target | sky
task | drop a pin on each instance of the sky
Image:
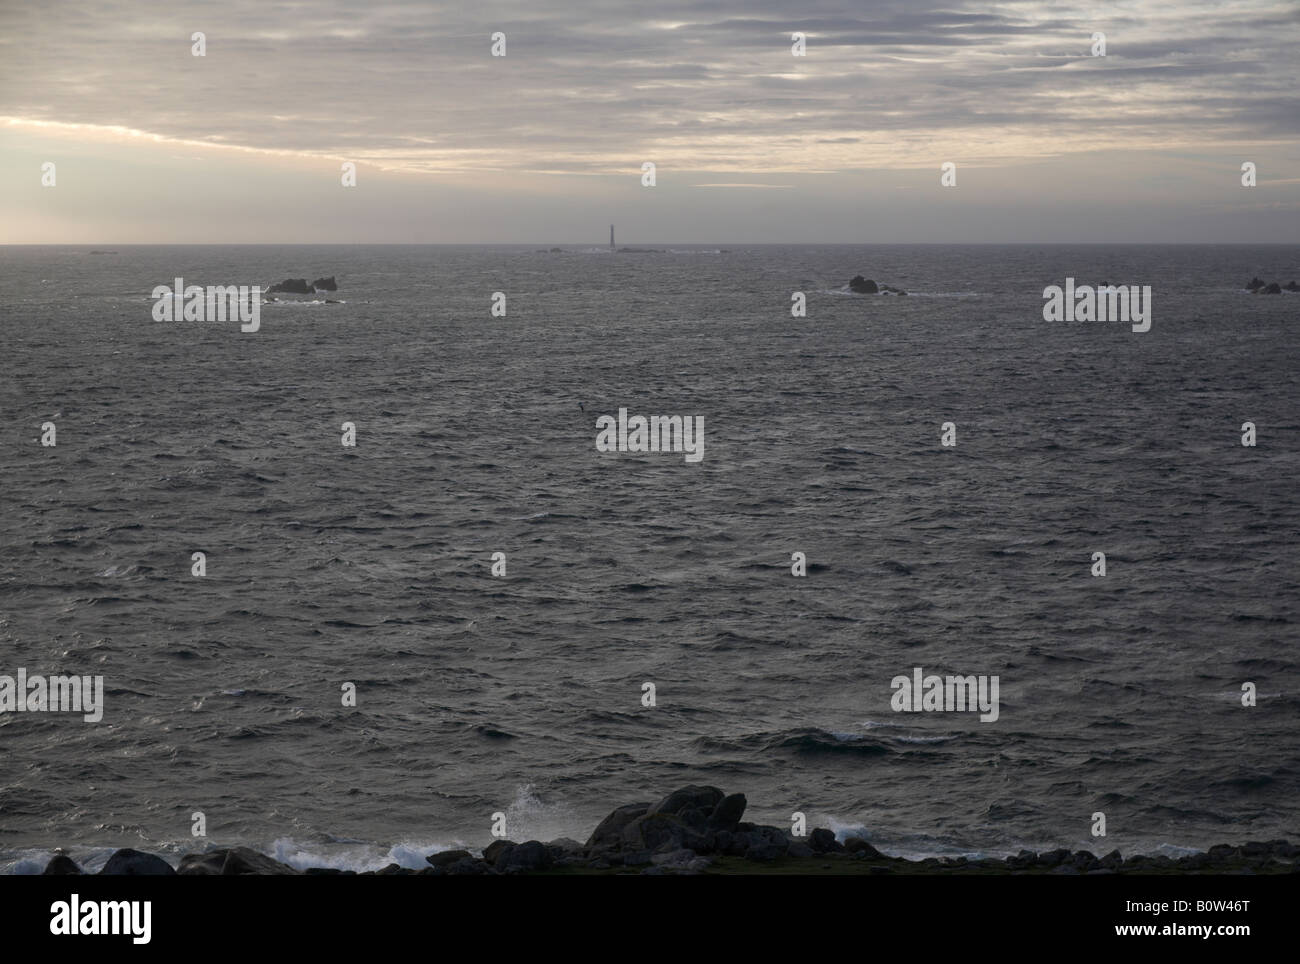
(751, 144)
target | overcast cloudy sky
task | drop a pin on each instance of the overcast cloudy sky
(751, 144)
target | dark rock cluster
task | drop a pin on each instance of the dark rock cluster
(1260, 288)
(697, 829)
(292, 286)
(299, 286)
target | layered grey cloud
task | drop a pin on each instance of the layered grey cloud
(703, 88)
(594, 87)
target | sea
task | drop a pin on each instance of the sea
(349, 684)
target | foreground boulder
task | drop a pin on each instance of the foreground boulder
(822, 841)
(448, 857)
(521, 858)
(292, 286)
(495, 849)
(856, 845)
(694, 804)
(755, 842)
(564, 846)
(61, 865)
(133, 863)
(662, 832)
(686, 819)
(236, 861)
(701, 820)
(608, 834)
(726, 815)
(460, 863)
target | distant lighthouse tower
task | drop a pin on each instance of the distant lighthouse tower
(611, 237)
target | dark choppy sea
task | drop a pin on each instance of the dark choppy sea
(523, 694)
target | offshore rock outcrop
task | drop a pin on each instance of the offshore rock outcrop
(292, 286)
(1258, 287)
(865, 286)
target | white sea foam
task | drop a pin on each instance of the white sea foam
(359, 857)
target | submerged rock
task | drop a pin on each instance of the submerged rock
(1273, 289)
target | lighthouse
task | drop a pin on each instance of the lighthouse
(611, 237)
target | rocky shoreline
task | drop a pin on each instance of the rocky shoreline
(698, 830)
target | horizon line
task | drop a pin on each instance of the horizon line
(605, 246)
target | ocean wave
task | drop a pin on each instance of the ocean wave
(809, 740)
(357, 856)
(122, 570)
